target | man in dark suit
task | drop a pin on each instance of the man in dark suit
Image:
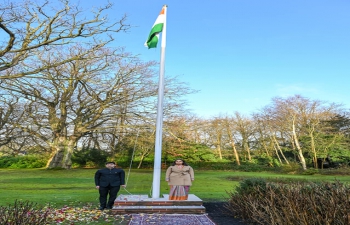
(108, 181)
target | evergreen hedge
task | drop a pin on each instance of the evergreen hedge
(19, 162)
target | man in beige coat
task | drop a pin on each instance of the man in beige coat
(179, 177)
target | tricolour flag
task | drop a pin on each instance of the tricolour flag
(153, 37)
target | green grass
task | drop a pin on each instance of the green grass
(76, 187)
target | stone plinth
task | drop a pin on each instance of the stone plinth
(129, 204)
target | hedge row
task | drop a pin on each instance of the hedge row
(259, 201)
(18, 162)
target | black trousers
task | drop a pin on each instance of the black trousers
(104, 192)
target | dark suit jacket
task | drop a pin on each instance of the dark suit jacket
(113, 177)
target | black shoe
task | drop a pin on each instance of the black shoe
(109, 207)
(101, 208)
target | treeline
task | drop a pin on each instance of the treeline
(66, 95)
(290, 130)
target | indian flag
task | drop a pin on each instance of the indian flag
(153, 37)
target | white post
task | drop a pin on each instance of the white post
(159, 125)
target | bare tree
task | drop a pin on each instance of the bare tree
(282, 115)
(313, 113)
(217, 133)
(81, 96)
(262, 133)
(33, 27)
(298, 117)
(245, 128)
(230, 134)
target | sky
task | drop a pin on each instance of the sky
(239, 54)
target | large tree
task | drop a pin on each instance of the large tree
(28, 28)
(81, 97)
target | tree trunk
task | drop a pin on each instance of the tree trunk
(60, 159)
(218, 145)
(247, 149)
(235, 153)
(278, 156)
(279, 149)
(219, 151)
(265, 147)
(300, 152)
(229, 133)
(62, 155)
(140, 163)
(143, 156)
(313, 148)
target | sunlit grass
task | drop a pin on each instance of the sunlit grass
(73, 199)
(76, 187)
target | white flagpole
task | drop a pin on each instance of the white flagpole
(159, 125)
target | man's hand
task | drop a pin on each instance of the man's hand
(124, 186)
(97, 187)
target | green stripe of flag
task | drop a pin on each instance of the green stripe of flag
(152, 40)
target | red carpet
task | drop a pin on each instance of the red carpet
(170, 219)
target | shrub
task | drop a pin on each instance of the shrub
(339, 171)
(17, 162)
(291, 203)
(252, 167)
(226, 165)
(292, 167)
(89, 158)
(310, 171)
(247, 186)
(7, 161)
(211, 165)
(27, 213)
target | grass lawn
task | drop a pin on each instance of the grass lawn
(76, 187)
(73, 199)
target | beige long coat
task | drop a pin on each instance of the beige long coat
(176, 176)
